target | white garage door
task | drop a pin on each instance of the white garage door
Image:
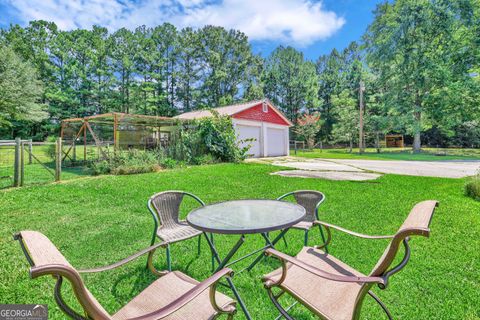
(249, 132)
(276, 142)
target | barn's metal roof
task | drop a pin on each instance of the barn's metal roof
(224, 111)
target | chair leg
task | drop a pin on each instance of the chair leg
(169, 260)
(306, 238)
(283, 312)
(213, 258)
(199, 244)
(323, 237)
(382, 305)
(151, 244)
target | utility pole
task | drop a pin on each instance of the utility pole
(361, 141)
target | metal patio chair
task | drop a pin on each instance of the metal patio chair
(332, 289)
(165, 209)
(173, 296)
(310, 200)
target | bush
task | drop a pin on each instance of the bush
(186, 145)
(168, 163)
(132, 169)
(472, 188)
(219, 137)
(127, 162)
(208, 140)
(100, 167)
(205, 159)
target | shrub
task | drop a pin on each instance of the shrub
(205, 159)
(186, 145)
(220, 139)
(100, 167)
(127, 162)
(472, 188)
(132, 169)
(207, 140)
(168, 163)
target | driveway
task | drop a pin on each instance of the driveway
(443, 169)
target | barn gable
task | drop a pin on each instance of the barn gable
(256, 113)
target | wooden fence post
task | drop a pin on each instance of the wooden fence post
(30, 151)
(22, 163)
(58, 159)
(74, 155)
(16, 165)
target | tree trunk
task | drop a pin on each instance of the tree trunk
(351, 145)
(417, 144)
(377, 141)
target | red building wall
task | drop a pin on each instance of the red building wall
(256, 114)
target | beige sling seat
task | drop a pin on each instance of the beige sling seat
(332, 289)
(173, 296)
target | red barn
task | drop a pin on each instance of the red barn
(259, 120)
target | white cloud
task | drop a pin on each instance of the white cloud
(299, 22)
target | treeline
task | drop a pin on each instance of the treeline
(420, 64)
(418, 61)
(154, 71)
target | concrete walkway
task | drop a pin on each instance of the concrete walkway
(443, 169)
(329, 175)
(317, 165)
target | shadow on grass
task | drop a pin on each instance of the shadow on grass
(136, 281)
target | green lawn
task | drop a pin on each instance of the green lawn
(427, 154)
(99, 220)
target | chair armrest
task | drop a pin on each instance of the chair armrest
(189, 296)
(353, 233)
(126, 260)
(318, 272)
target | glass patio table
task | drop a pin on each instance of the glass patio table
(242, 217)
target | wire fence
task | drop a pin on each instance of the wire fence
(24, 162)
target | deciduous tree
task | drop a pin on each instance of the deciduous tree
(20, 90)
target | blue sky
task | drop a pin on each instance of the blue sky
(313, 26)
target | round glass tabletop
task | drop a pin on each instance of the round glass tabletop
(246, 216)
